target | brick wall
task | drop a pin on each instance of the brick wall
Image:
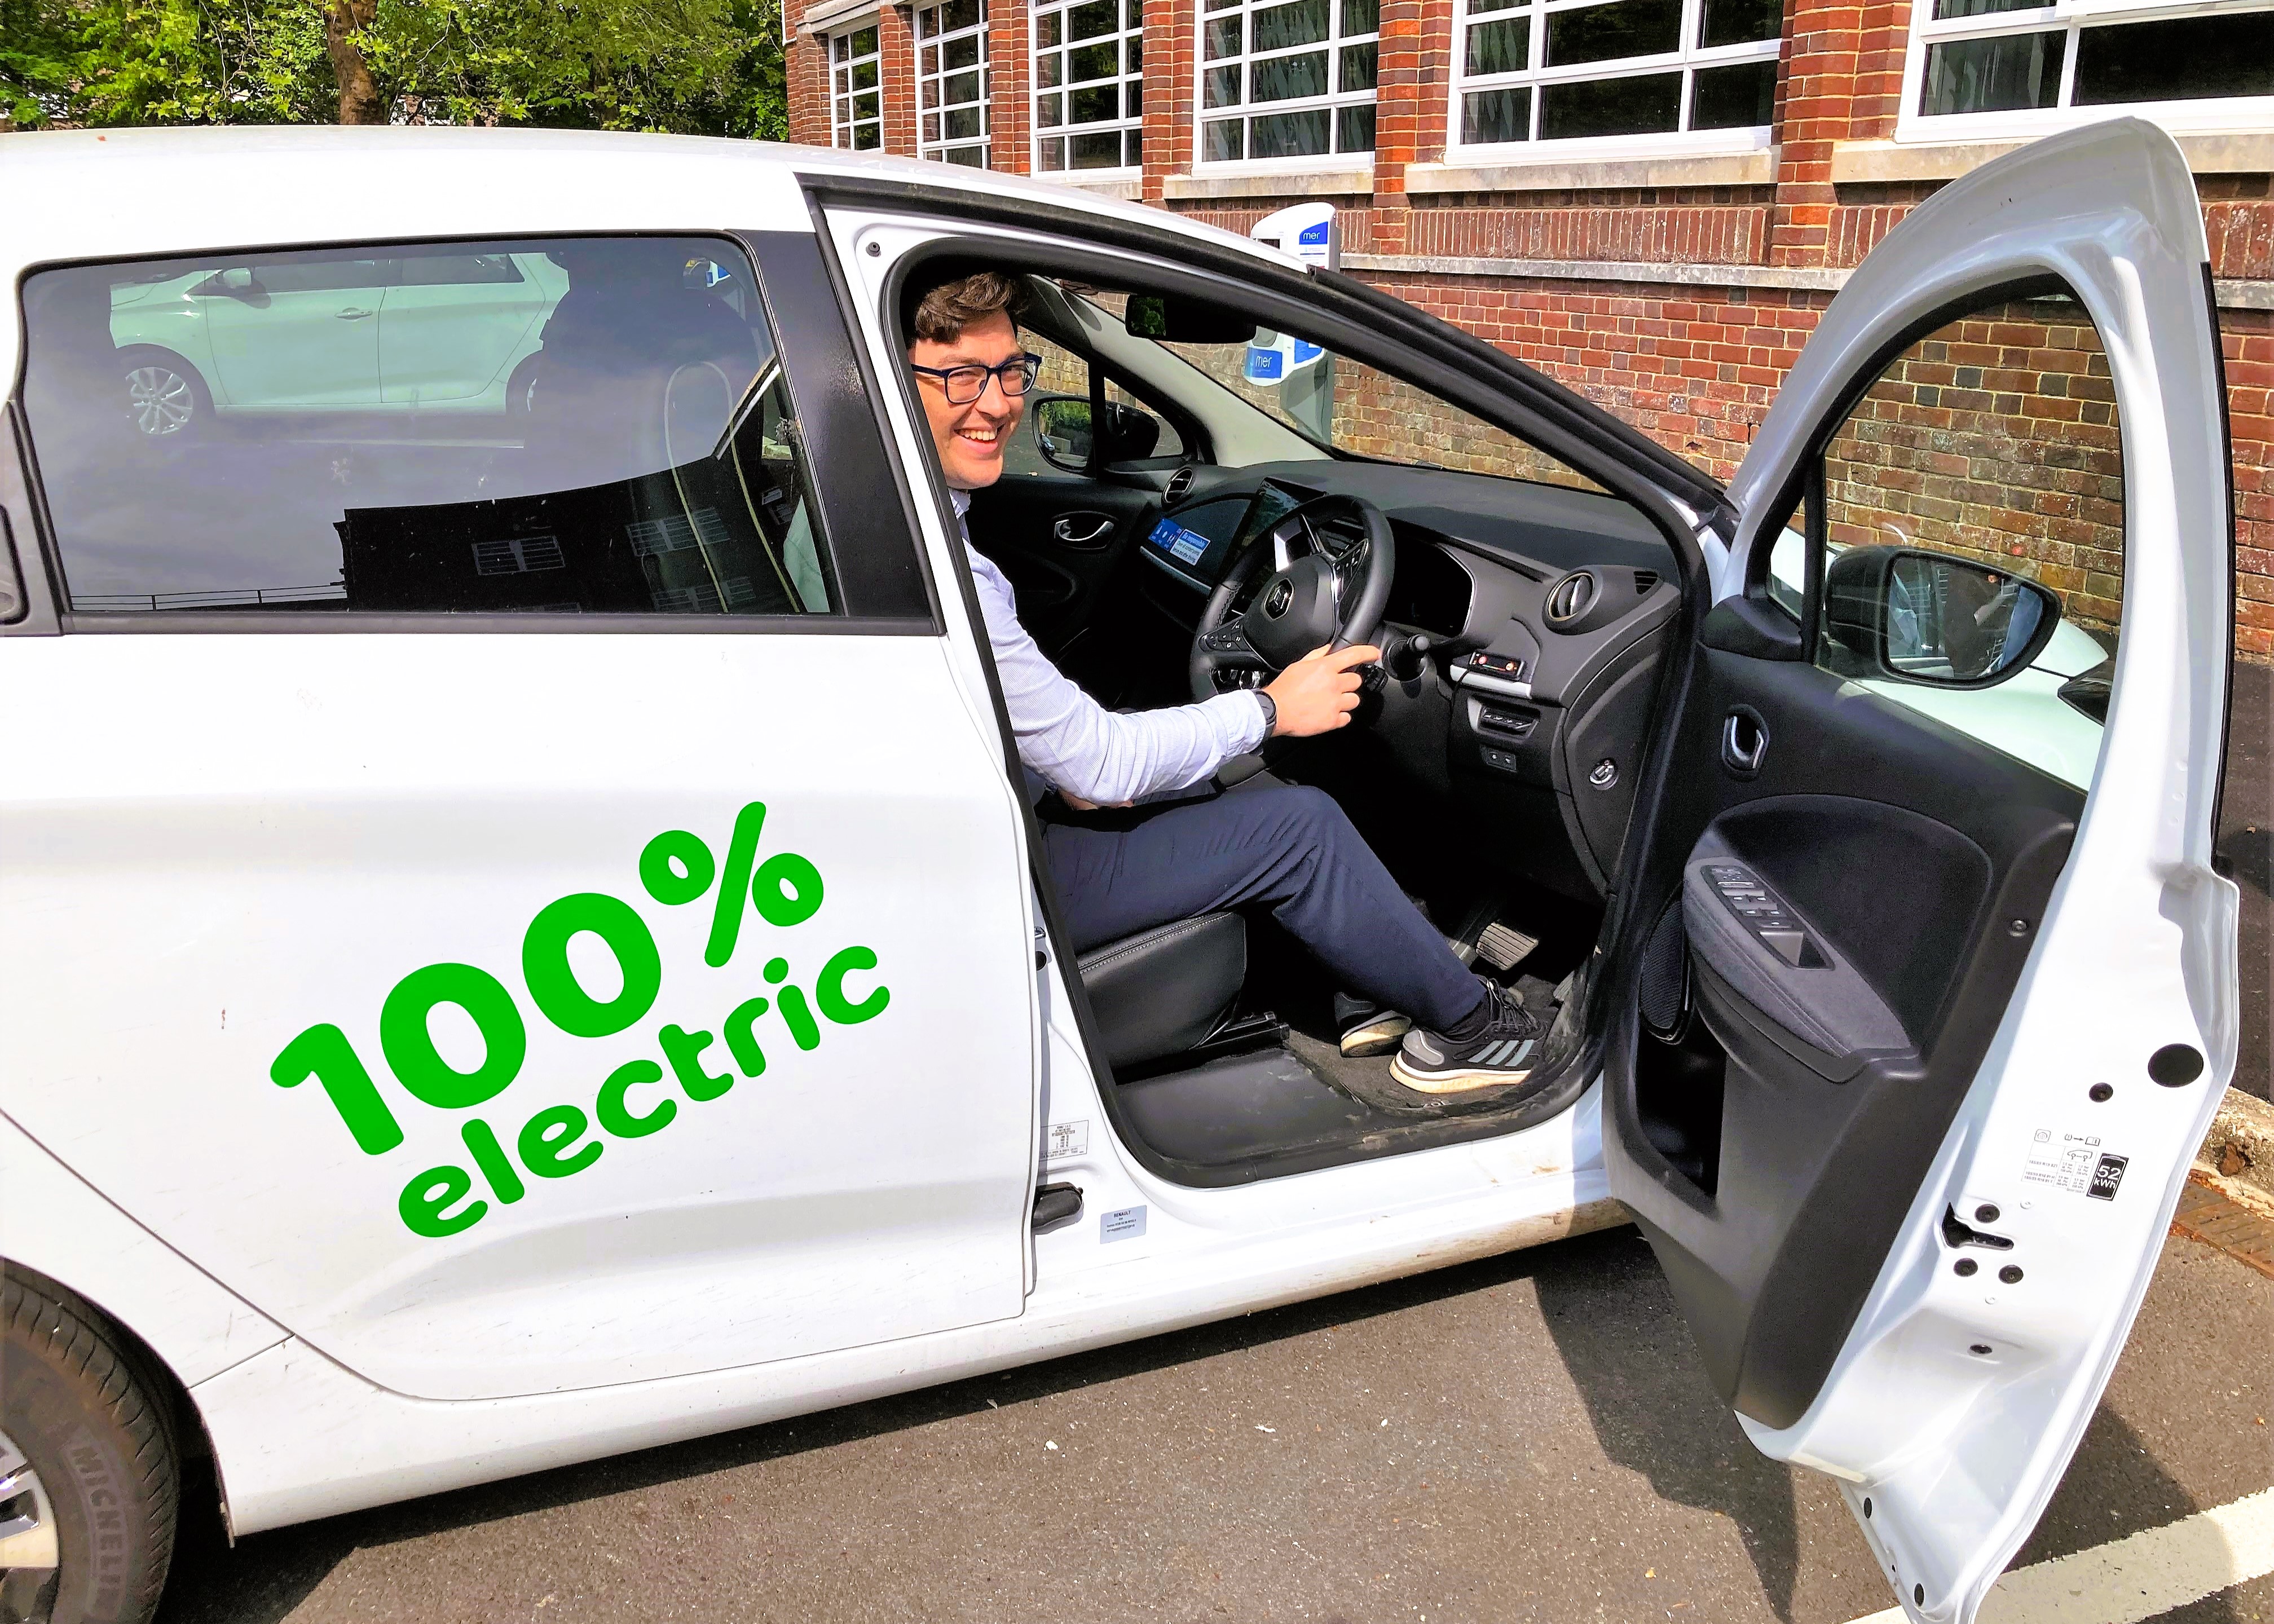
(1694, 367)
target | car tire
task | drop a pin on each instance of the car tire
(165, 399)
(521, 392)
(87, 1450)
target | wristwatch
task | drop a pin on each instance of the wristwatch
(1270, 712)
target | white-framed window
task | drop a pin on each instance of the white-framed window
(856, 94)
(1287, 78)
(1999, 67)
(1645, 71)
(1090, 65)
(953, 82)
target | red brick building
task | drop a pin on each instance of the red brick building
(1650, 200)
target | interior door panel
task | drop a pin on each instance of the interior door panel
(1905, 854)
(1059, 538)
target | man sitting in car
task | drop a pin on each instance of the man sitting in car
(1290, 848)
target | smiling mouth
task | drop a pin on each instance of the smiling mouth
(979, 437)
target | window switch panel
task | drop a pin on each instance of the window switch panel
(1772, 923)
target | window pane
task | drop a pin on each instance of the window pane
(1987, 76)
(1133, 51)
(864, 44)
(1735, 97)
(1050, 111)
(1496, 116)
(443, 462)
(1277, 79)
(865, 107)
(1101, 151)
(1095, 105)
(1478, 7)
(1132, 98)
(1046, 30)
(1086, 22)
(1133, 13)
(1220, 87)
(2176, 60)
(969, 157)
(1223, 139)
(1289, 135)
(1360, 17)
(958, 14)
(963, 124)
(1731, 22)
(1501, 47)
(1135, 148)
(1092, 62)
(963, 53)
(1359, 64)
(963, 87)
(1640, 106)
(931, 126)
(311, 275)
(1299, 23)
(1623, 28)
(864, 75)
(1218, 5)
(1353, 129)
(1046, 70)
(1984, 8)
(1054, 153)
(2018, 400)
(1223, 37)
(868, 137)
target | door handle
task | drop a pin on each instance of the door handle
(1083, 529)
(1745, 741)
(351, 314)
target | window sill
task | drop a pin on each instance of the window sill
(1755, 168)
(829, 16)
(1126, 184)
(1338, 182)
(1882, 163)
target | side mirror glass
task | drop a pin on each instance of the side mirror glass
(236, 282)
(1174, 320)
(1930, 618)
(1062, 429)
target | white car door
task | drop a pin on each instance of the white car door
(586, 942)
(296, 332)
(453, 324)
(1927, 1036)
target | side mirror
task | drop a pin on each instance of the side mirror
(1067, 432)
(1930, 618)
(1174, 320)
(238, 282)
(1062, 429)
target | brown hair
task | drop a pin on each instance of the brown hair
(944, 309)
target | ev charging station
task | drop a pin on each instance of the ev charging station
(1303, 372)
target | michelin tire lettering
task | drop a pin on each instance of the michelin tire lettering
(635, 1098)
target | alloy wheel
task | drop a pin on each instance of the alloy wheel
(163, 400)
(28, 1554)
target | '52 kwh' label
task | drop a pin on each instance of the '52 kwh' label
(638, 1098)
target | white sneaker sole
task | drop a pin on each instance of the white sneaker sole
(1456, 1082)
(1376, 1037)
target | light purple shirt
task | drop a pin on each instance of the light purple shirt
(1076, 745)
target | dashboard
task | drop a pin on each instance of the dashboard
(1547, 610)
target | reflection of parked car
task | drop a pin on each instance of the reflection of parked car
(415, 332)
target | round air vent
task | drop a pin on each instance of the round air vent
(1180, 481)
(1570, 599)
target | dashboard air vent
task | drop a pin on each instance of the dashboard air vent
(1570, 598)
(1180, 482)
(1645, 580)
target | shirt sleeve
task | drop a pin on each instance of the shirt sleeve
(1079, 746)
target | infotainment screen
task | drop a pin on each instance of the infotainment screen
(1202, 540)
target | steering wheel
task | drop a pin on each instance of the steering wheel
(1317, 597)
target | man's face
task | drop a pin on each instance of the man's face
(970, 439)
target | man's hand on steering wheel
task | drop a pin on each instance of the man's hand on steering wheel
(1317, 694)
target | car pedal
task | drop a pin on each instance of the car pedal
(1502, 948)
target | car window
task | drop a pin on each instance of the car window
(1986, 455)
(1053, 441)
(1336, 401)
(596, 427)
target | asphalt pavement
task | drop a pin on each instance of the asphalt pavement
(1527, 1438)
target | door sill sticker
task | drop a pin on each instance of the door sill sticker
(1065, 1139)
(1126, 1225)
(2074, 1162)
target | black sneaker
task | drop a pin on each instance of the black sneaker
(1502, 1053)
(1367, 1029)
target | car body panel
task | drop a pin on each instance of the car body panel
(1957, 1452)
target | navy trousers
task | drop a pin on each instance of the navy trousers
(1288, 848)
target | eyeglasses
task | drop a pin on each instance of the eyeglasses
(963, 385)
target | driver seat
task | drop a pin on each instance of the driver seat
(1167, 990)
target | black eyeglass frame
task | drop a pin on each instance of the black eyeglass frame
(1022, 366)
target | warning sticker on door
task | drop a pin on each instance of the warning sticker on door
(1065, 1139)
(1126, 1225)
(2074, 1162)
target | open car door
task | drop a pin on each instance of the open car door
(1926, 1032)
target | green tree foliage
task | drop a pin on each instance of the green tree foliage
(705, 67)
